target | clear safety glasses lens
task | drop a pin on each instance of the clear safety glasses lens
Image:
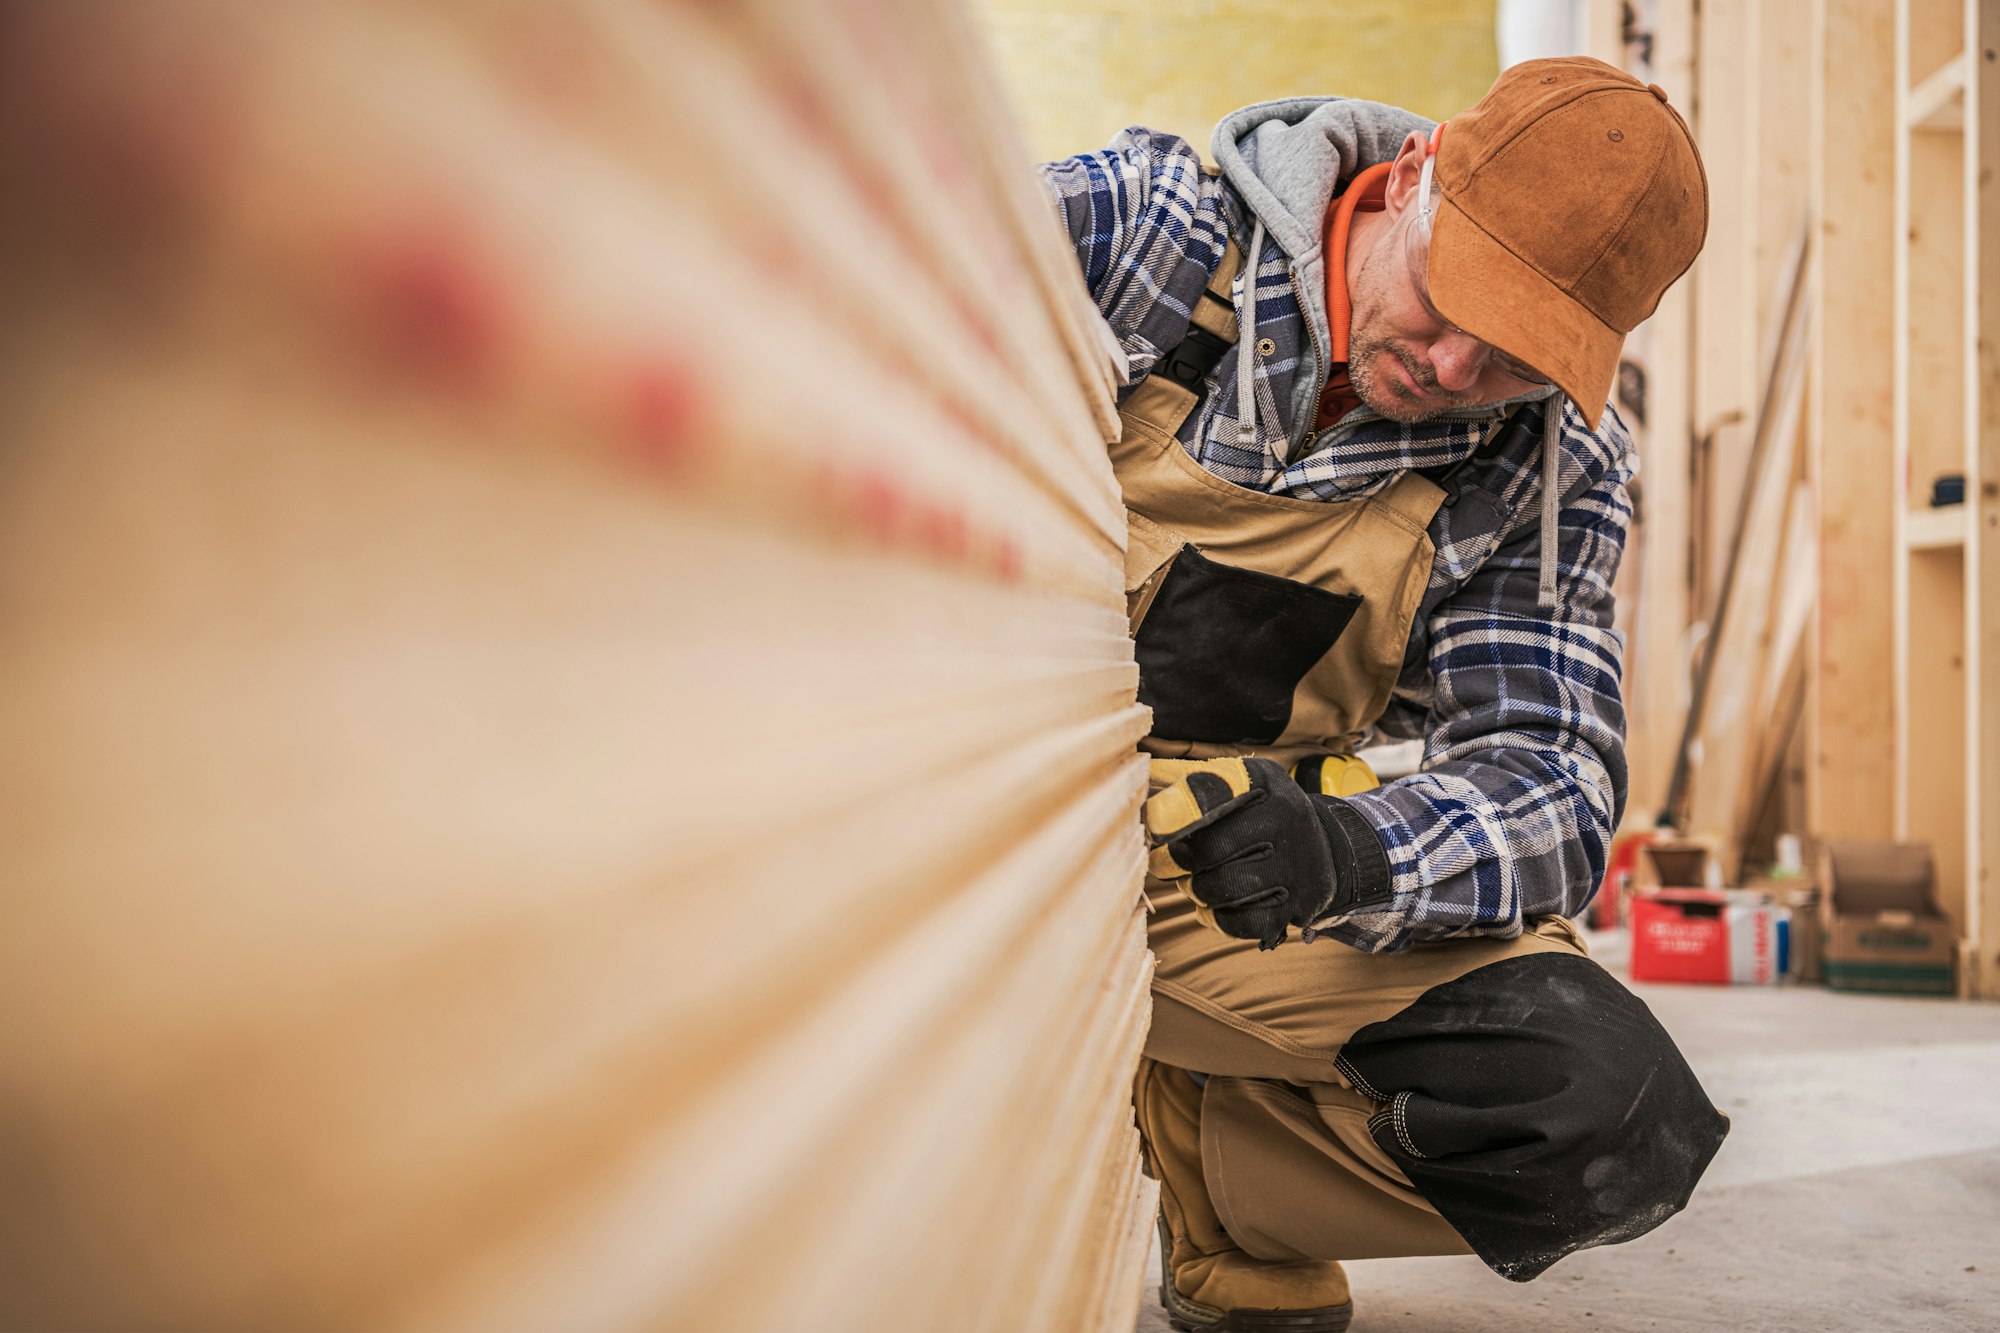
(1417, 252)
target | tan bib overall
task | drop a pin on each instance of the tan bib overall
(1264, 624)
(1276, 626)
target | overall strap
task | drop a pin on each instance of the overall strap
(1211, 328)
(1173, 389)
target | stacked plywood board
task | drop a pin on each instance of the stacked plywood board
(566, 725)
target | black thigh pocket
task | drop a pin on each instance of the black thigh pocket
(1222, 649)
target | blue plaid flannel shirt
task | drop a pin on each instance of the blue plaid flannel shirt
(1520, 709)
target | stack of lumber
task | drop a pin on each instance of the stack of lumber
(1749, 689)
(566, 723)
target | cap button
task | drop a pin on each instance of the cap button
(1657, 91)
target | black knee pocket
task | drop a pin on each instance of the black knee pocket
(1540, 1107)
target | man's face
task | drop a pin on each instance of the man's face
(1403, 361)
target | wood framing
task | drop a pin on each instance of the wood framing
(1726, 344)
(1896, 159)
(1849, 712)
(1784, 155)
(1982, 130)
(1945, 403)
(1655, 620)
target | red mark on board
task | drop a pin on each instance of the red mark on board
(879, 503)
(1007, 563)
(941, 530)
(431, 308)
(663, 411)
(889, 514)
(871, 499)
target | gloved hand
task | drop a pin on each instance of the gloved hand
(1259, 853)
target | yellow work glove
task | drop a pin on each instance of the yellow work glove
(1256, 852)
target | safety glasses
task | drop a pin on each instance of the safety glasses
(1417, 251)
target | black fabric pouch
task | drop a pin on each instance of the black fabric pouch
(1222, 649)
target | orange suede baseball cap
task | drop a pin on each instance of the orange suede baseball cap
(1568, 201)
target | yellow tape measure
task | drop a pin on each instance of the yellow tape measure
(1334, 775)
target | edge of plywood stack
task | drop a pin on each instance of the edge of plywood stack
(569, 727)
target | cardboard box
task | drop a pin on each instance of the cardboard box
(1677, 865)
(1799, 896)
(1708, 935)
(1808, 936)
(1879, 915)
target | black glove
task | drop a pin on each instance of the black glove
(1256, 852)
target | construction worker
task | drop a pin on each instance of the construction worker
(1374, 490)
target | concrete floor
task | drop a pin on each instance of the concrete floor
(1859, 1187)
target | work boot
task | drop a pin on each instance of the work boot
(1207, 1284)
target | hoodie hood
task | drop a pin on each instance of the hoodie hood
(1288, 159)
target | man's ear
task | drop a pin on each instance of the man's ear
(1400, 191)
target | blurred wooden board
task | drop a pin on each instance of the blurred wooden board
(567, 720)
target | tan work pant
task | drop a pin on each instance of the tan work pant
(1286, 1151)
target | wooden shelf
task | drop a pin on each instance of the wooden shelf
(1938, 103)
(1934, 529)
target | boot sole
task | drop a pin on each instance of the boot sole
(1193, 1317)
(1326, 1319)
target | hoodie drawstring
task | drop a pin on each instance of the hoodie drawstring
(1551, 497)
(1246, 345)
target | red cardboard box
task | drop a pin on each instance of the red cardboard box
(1706, 935)
(1679, 935)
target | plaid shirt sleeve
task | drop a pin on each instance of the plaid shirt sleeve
(1523, 778)
(1148, 230)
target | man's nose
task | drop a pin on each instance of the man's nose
(1459, 359)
